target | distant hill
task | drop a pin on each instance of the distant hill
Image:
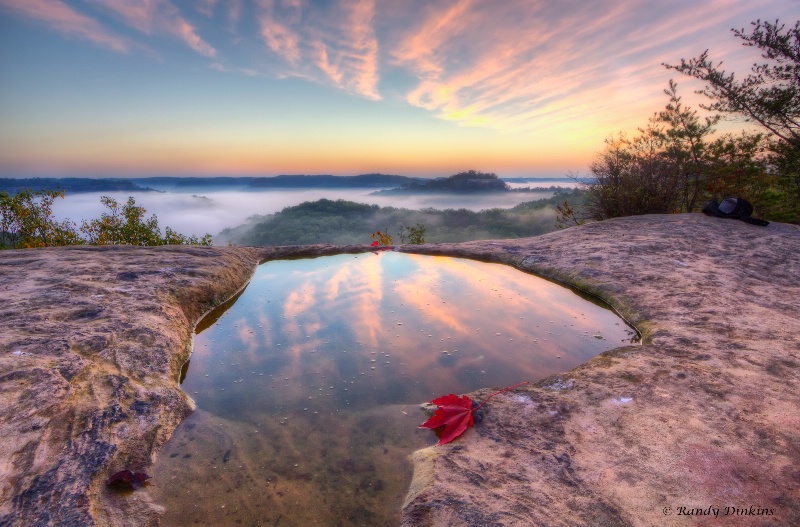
(464, 182)
(469, 182)
(347, 222)
(190, 184)
(185, 184)
(70, 185)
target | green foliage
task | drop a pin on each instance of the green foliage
(674, 165)
(121, 226)
(631, 177)
(342, 222)
(683, 144)
(770, 97)
(26, 221)
(416, 234)
(128, 226)
(770, 94)
(470, 181)
(567, 216)
(413, 235)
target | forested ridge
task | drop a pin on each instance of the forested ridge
(347, 222)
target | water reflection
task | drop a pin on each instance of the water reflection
(308, 385)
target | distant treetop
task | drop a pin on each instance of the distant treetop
(463, 182)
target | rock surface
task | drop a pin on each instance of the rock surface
(91, 348)
(703, 414)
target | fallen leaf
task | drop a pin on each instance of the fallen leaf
(455, 414)
(125, 479)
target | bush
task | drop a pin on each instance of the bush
(673, 165)
(26, 221)
(128, 226)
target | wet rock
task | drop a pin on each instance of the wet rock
(94, 340)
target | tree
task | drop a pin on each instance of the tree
(769, 96)
(127, 226)
(633, 177)
(567, 215)
(122, 226)
(416, 235)
(26, 221)
(686, 144)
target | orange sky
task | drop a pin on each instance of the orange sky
(419, 87)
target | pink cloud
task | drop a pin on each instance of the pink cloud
(62, 18)
(206, 7)
(419, 46)
(151, 16)
(234, 11)
(523, 64)
(337, 44)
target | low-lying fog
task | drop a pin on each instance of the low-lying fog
(212, 211)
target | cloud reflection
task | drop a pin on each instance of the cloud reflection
(396, 328)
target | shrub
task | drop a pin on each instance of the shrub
(26, 221)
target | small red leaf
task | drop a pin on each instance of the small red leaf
(454, 413)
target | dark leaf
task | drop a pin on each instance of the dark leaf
(125, 479)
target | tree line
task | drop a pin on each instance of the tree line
(345, 222)
(675, 163)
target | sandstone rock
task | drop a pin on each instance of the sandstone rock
(703, 413)
(91, 348)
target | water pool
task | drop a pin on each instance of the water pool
(308, 383)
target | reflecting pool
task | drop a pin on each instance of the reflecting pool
(308, 383)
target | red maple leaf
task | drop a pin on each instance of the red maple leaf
(454, 413)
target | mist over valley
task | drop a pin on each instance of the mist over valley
(209, 205)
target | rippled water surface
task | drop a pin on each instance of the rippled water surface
(308, 385)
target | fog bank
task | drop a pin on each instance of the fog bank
(196, 215)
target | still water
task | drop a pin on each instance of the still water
(308, 385)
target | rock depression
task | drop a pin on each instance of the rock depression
(703, 414)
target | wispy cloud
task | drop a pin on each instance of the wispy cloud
(278, 20)
(511, 65)
(159, 16)
(65, 19)
(520, 64)
(206, 7)
(336, 43)
(250, 72)
(234, 11)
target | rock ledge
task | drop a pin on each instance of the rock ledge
(704, 414)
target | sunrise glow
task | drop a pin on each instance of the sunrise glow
(267, 87)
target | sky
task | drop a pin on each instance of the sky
(125, 88)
